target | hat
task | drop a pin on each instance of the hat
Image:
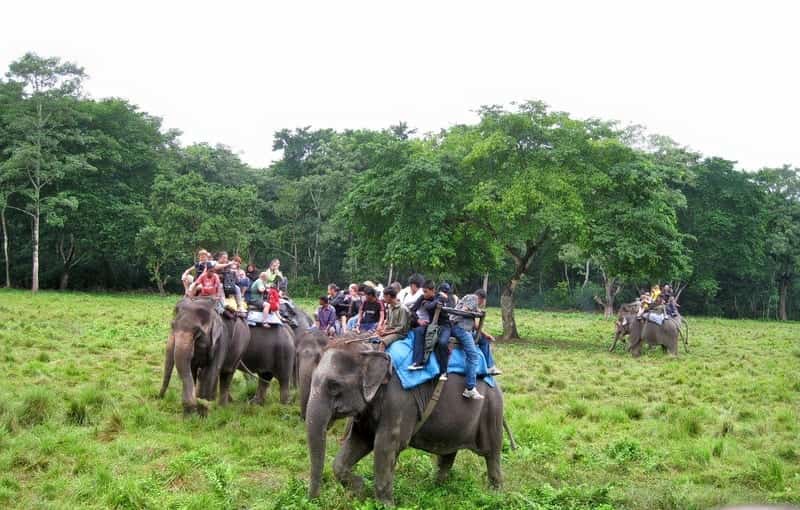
(444, 287)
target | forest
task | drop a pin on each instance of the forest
(552, 211)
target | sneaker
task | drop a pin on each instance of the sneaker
(414, 366)
(495, 371)
(472, 394)
(443, 377)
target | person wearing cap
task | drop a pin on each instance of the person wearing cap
(442, 349)
(463, 328)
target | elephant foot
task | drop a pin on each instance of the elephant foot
(355, 484)
(385, 501)
(442, 476)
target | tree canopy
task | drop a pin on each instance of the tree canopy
(552, 210)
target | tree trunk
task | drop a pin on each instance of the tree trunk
(5, 247)
(485, 282)
(608, 308)
(586, 276)
(784, 291)
(35, 276)
(391, 274)
(62, 284)
(522, 261)
(157, 278)
(160, 285)
(507, 311)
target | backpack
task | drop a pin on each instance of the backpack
(229, 283)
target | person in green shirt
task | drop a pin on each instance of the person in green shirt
(274, 272)
(398, 319)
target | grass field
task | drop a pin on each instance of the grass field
(80, 425)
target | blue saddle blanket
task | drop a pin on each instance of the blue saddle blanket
(402, 352)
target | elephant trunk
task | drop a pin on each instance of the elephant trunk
(305, 368)
(169, 364)
(317, 417)
(184, 351)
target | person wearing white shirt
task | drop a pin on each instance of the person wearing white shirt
(409, 295)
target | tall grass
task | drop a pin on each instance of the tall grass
(80, 426)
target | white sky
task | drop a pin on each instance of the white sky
(718, 76)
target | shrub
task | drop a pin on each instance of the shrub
(36, 408)
(577, 409)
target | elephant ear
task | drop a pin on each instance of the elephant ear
(212, 327)
(376, 369)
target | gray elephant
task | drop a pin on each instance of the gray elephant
(643, 331)
(352, 380)
(309, 346)
(269, 354)
(206, 349)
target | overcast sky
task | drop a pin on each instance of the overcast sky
(716, 76)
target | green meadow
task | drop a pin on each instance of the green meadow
(81, 427)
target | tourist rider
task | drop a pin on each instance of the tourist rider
(398, 319)
(485, 338)
(370, 316)
(463, 329)
(274, 272)
(326, 317)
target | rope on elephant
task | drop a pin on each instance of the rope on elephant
(250, 372)
(349, 339)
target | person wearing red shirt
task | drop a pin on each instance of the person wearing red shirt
(207, 285)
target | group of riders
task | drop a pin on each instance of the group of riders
(428, 313)
(659, 301)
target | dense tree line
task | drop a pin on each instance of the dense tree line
(552, 210)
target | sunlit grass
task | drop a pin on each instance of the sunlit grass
(80, 425)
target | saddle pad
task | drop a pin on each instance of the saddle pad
(402, 352)
(656, 318)
(255, 318)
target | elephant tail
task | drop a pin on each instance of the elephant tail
(169, 364)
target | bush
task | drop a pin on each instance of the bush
(36, 408)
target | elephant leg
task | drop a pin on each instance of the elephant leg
(169, 364)
(386, 451)
(285, 384)
(263, 385)
(356, 446)
(184, 350)
(225, 380)
(444, 462)
(493, 469)
(673, 347)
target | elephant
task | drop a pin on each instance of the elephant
(269, 354)
(353, 380)
(309, 346)
(666, 335)
(206, 349)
